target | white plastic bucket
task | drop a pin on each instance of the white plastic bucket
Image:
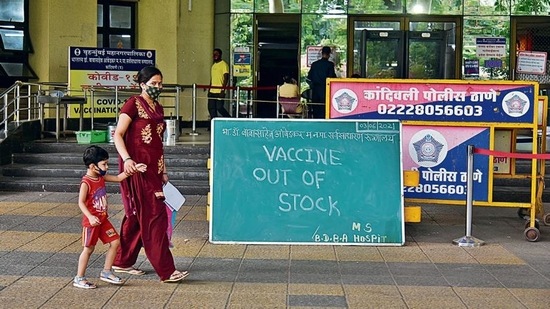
(111, 132)
(171, 133)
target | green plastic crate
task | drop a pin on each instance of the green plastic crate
(89, 137)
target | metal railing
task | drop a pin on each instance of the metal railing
(19, 103)
(169, 93)
(29, 101)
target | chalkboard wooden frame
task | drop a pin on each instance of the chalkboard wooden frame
(306, 181)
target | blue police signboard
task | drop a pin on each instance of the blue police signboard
(425, 101)
(443, 118)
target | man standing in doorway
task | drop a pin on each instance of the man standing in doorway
(318, 73)
(219, 77)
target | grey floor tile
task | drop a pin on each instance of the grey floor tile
(63, 259)
(41, 224)
(410, 269)
(316, 278)
(420, 280)
(367, 280)
(364, 268)
(10, 222)
(62, 271)
(326, 301)
(481, 280)
(25, 258)
(262, 277)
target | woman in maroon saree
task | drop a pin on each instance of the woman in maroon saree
(138, 139)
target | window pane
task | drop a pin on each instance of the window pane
(12, 39)
(242, 6)
(99, 40)
(540, 7)
(241, 37)
(100, 15)
(120, 41)
(375, 7)
(120, 16)
(435, 7)
(17, 69)
(337, 7)
(486, 7)
(318, 31)
(263, 6)
(12, 10)
(359, 26)
(487, 27)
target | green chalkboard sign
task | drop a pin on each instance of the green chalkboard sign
(308, 181)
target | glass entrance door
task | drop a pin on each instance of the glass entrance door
(405, 49)
(382, 53)
(426, 55)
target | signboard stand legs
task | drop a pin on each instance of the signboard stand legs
(469, 240)
(194, 112)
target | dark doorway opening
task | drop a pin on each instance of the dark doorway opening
(531, 34)
(278, 54)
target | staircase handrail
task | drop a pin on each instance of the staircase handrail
(11, 109)
(5, 113)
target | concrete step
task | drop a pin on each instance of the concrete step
(58, 167)
(72, 147)
(77, 171)
(62, 184)
(198, 160)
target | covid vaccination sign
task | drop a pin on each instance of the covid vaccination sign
(105, 68)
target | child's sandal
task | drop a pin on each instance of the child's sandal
(108, 276)
(83, 283)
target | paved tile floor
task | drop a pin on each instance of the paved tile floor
(40, 244)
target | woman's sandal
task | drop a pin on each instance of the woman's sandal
(83, 283)
(176, 276)
(128, 270)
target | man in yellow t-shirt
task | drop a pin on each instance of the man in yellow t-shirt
(219, 77)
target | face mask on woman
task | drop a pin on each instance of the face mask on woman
(153, 92)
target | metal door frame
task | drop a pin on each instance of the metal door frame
(267, 17)
(391, 36)
(278, 18)
(513, 37)
(404, 26)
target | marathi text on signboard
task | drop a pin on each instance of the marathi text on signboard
(105, 67)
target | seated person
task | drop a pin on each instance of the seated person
(290, 89)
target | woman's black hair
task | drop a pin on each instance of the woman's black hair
(94, 154)
(288, 79)
(146, 74)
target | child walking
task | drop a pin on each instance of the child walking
(92, 201)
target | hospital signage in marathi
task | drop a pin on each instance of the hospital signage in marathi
(491, 47)
(105, 68)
